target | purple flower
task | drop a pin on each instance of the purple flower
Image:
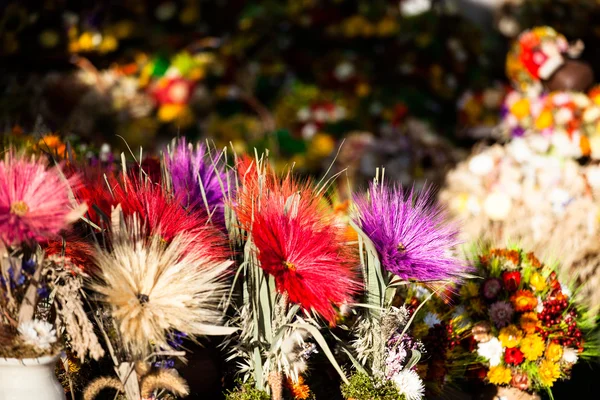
(191, 170)
(501, 313)
(492, 288)
(518, 131)
(410, 233)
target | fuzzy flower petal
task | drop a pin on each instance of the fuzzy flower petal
(38, 334)
(412, 236)
(193, 171)
(34, 200)
(300, 244)
(409, 384)
(154, 288)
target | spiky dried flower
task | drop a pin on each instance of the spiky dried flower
(161, 214)
(298, 242)
(154, 287)
(412, 236)
(198, 180)
(34, 200)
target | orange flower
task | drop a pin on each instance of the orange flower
(529, 322)
(299, 389)
(584, 145)
(53, 144)
(524, 300)
(535, 262)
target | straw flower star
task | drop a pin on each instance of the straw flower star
(34, 200)
(194, 171)
(412, 236)
(154, 288)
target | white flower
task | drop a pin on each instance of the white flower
(491, 350)
(409, 384)
(565, 289)
(481, 164)
(38, 334)
(410, 8)
(431, 319)
(540, 305)
(569, 355)
(497, 206)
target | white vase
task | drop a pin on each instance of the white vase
(30, 379)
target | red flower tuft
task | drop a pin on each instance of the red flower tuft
(299, 244)
(513, 356)
(512, 280)
(160, 213)
(76, 250)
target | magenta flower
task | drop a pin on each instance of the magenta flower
(411, 234)
(192, 170)
(34, 200)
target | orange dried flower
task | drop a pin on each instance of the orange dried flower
(299, 389)
(524, 300)
(529, 321)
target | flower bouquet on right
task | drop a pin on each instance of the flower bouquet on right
(521, 329)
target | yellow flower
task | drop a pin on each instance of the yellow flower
(529, 322)
(544, 120)
(322, 145)
(510, 336)
(170, 112)
(549, 372)
(520, 108)
(499, 375)
(554, 352)
(537, 282)
(532, 346)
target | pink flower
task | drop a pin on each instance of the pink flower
(34, 200)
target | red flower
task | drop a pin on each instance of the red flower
(511, 280)
(78, 251)
(300, 245)
(513, 356)
(160, 214)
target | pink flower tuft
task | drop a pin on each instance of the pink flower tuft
(34, 200)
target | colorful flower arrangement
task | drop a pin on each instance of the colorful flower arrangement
(561, 123)
(518, 326)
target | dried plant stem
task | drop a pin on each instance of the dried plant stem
(129, 379)
(29, 301)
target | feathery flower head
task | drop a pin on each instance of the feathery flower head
(412, 236)
(299, 243)
(38, 334)
(155, 288)
(34, 200)
(409, 384)
(163, 215)
(193, 171)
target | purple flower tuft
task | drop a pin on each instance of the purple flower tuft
(189, 167)
(410, 233)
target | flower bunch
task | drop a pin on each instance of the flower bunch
(562, 123)
(522, 326)
(36, 211)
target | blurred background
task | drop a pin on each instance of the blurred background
(502, 117)
(408, 84)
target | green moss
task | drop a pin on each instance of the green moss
(363, 387)
(246, 391)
